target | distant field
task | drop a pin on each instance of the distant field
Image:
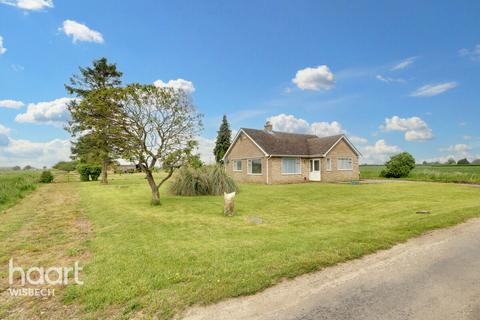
(15, 185)
(440, 173)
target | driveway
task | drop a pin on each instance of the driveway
(435, 276)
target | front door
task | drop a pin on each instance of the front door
(315, 170)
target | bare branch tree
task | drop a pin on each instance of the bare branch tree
(160, 125)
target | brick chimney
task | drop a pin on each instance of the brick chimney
(268, 126)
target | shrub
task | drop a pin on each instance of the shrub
(46, 177)
(84, 171)
(89, 172)
(207, 180)
(451, 161)
(66, 166)
(463, 161)
(95, 172)
(398, 166)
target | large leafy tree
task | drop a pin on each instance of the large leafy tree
(399, 166)
(159, 126)
(224, 137)
(91, 113)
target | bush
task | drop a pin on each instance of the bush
(95, 172)
(46, 177)
(207, 180)
(463, 161)
(89, 172)
(398, 166)
(84, 171)
(66, 166)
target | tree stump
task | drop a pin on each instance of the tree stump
(229, 203)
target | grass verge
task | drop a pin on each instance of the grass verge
(15, 185)
(437, 173)
(156, 261)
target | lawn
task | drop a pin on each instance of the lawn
(15, 185)
(147, 261)
(438, 173)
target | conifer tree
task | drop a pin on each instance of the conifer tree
(223, 142)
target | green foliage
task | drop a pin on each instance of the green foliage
(223, 142)
(26, 168)
(438, 173)
(89, 172)
(201, 250)
(84, 171)
(16, 168)
(399, 166)
(207, 180)
(46, 177)
(95, 172)
(463, 161)
(451, 161)
(194, 161)
(93, 112)
(66, 166)
(15, 185)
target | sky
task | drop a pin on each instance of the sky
(392, 75)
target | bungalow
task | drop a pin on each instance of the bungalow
(273, 157)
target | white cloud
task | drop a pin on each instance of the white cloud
(378, 153)
(358, 140)
(4, 131)
(33, 5)
(431, 90)
(11, 104)
(37, 154)
(415, 128)
(473, 54)
(388, 79)
(80, 32)
(2, 48)
(459, 149)
(324, 129)
(52, 112)
(205, 149)
(315, 79)
(181, 84)
(289, 123)
(24, 152)
(403, 64)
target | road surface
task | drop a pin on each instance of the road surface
(435, 276)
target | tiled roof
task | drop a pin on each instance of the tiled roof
(283, 143)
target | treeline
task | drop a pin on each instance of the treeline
(452, 161)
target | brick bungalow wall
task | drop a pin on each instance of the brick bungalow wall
(245, 149)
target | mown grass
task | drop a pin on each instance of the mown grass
(15, 185)
(437, 173)
(148, 261)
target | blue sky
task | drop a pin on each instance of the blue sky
(393, 75)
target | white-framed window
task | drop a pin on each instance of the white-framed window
(329, 164)
(344, 163)
(255, 166)
(237, 165)
(291, 166)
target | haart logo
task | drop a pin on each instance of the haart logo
(40, 276)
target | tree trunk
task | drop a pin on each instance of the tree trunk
(105, 172)
(154, 188)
